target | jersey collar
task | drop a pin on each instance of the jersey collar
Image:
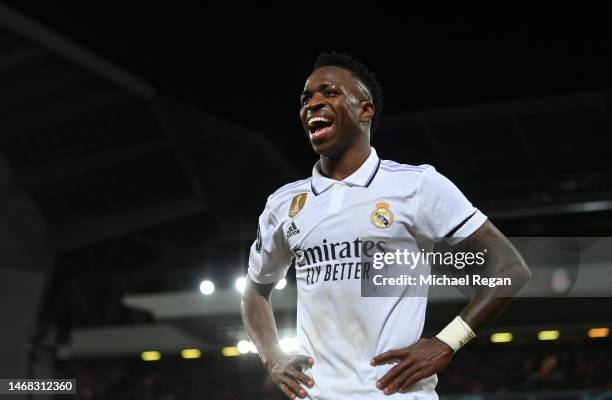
(362, 177)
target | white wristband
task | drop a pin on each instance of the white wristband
(456, 334)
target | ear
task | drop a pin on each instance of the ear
(367, 111)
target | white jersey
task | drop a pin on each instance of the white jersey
(318, 224)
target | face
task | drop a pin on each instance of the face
(335, 110)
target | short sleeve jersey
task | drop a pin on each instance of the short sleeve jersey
(317, 224)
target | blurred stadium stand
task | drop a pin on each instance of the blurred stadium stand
(559, 371)
(539, 372)
(117, 202)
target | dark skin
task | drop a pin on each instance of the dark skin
(429, 356)
(285, 370)
(335, 94)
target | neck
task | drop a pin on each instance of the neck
(346, 163)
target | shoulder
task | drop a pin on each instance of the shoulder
(425, 177)
(389, 166)
(405, 178)
(289, 188)
(283, 195)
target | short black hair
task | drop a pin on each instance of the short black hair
(368, 78)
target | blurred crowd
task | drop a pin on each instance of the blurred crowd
(493, 369)
(536, 367)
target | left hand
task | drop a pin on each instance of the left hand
(418, 361)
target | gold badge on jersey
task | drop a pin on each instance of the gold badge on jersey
(382, 217)
(297, 204)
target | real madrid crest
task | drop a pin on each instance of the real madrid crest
(382, 217)
(297, 204)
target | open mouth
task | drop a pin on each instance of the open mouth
(319, 126)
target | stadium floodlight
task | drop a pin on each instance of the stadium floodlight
(191, 353)
(281, 284)
(253, 348)
(244, 346)
(230, 351)
(240, 284)
(548, 335)
(501, 337)
(598, 332)
(150, 355)
(289, 344)
(207, 287)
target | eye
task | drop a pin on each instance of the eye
(329, 93)
(304, 100)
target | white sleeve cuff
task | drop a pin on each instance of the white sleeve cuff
(470, 226)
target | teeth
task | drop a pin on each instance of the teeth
(317, 119)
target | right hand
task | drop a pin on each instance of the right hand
(286, 372)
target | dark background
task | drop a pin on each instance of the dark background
(249, 65)
(148, 184)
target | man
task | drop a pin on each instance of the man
(351, 346)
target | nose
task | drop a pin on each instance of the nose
(315, 103)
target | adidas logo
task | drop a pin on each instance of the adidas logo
(293, 230)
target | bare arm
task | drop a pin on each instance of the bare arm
(503, 260)
(258, 319)
(428, 356)
(259, 322)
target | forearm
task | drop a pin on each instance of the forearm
(259, 322)
(502, 261)
(481, 311)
